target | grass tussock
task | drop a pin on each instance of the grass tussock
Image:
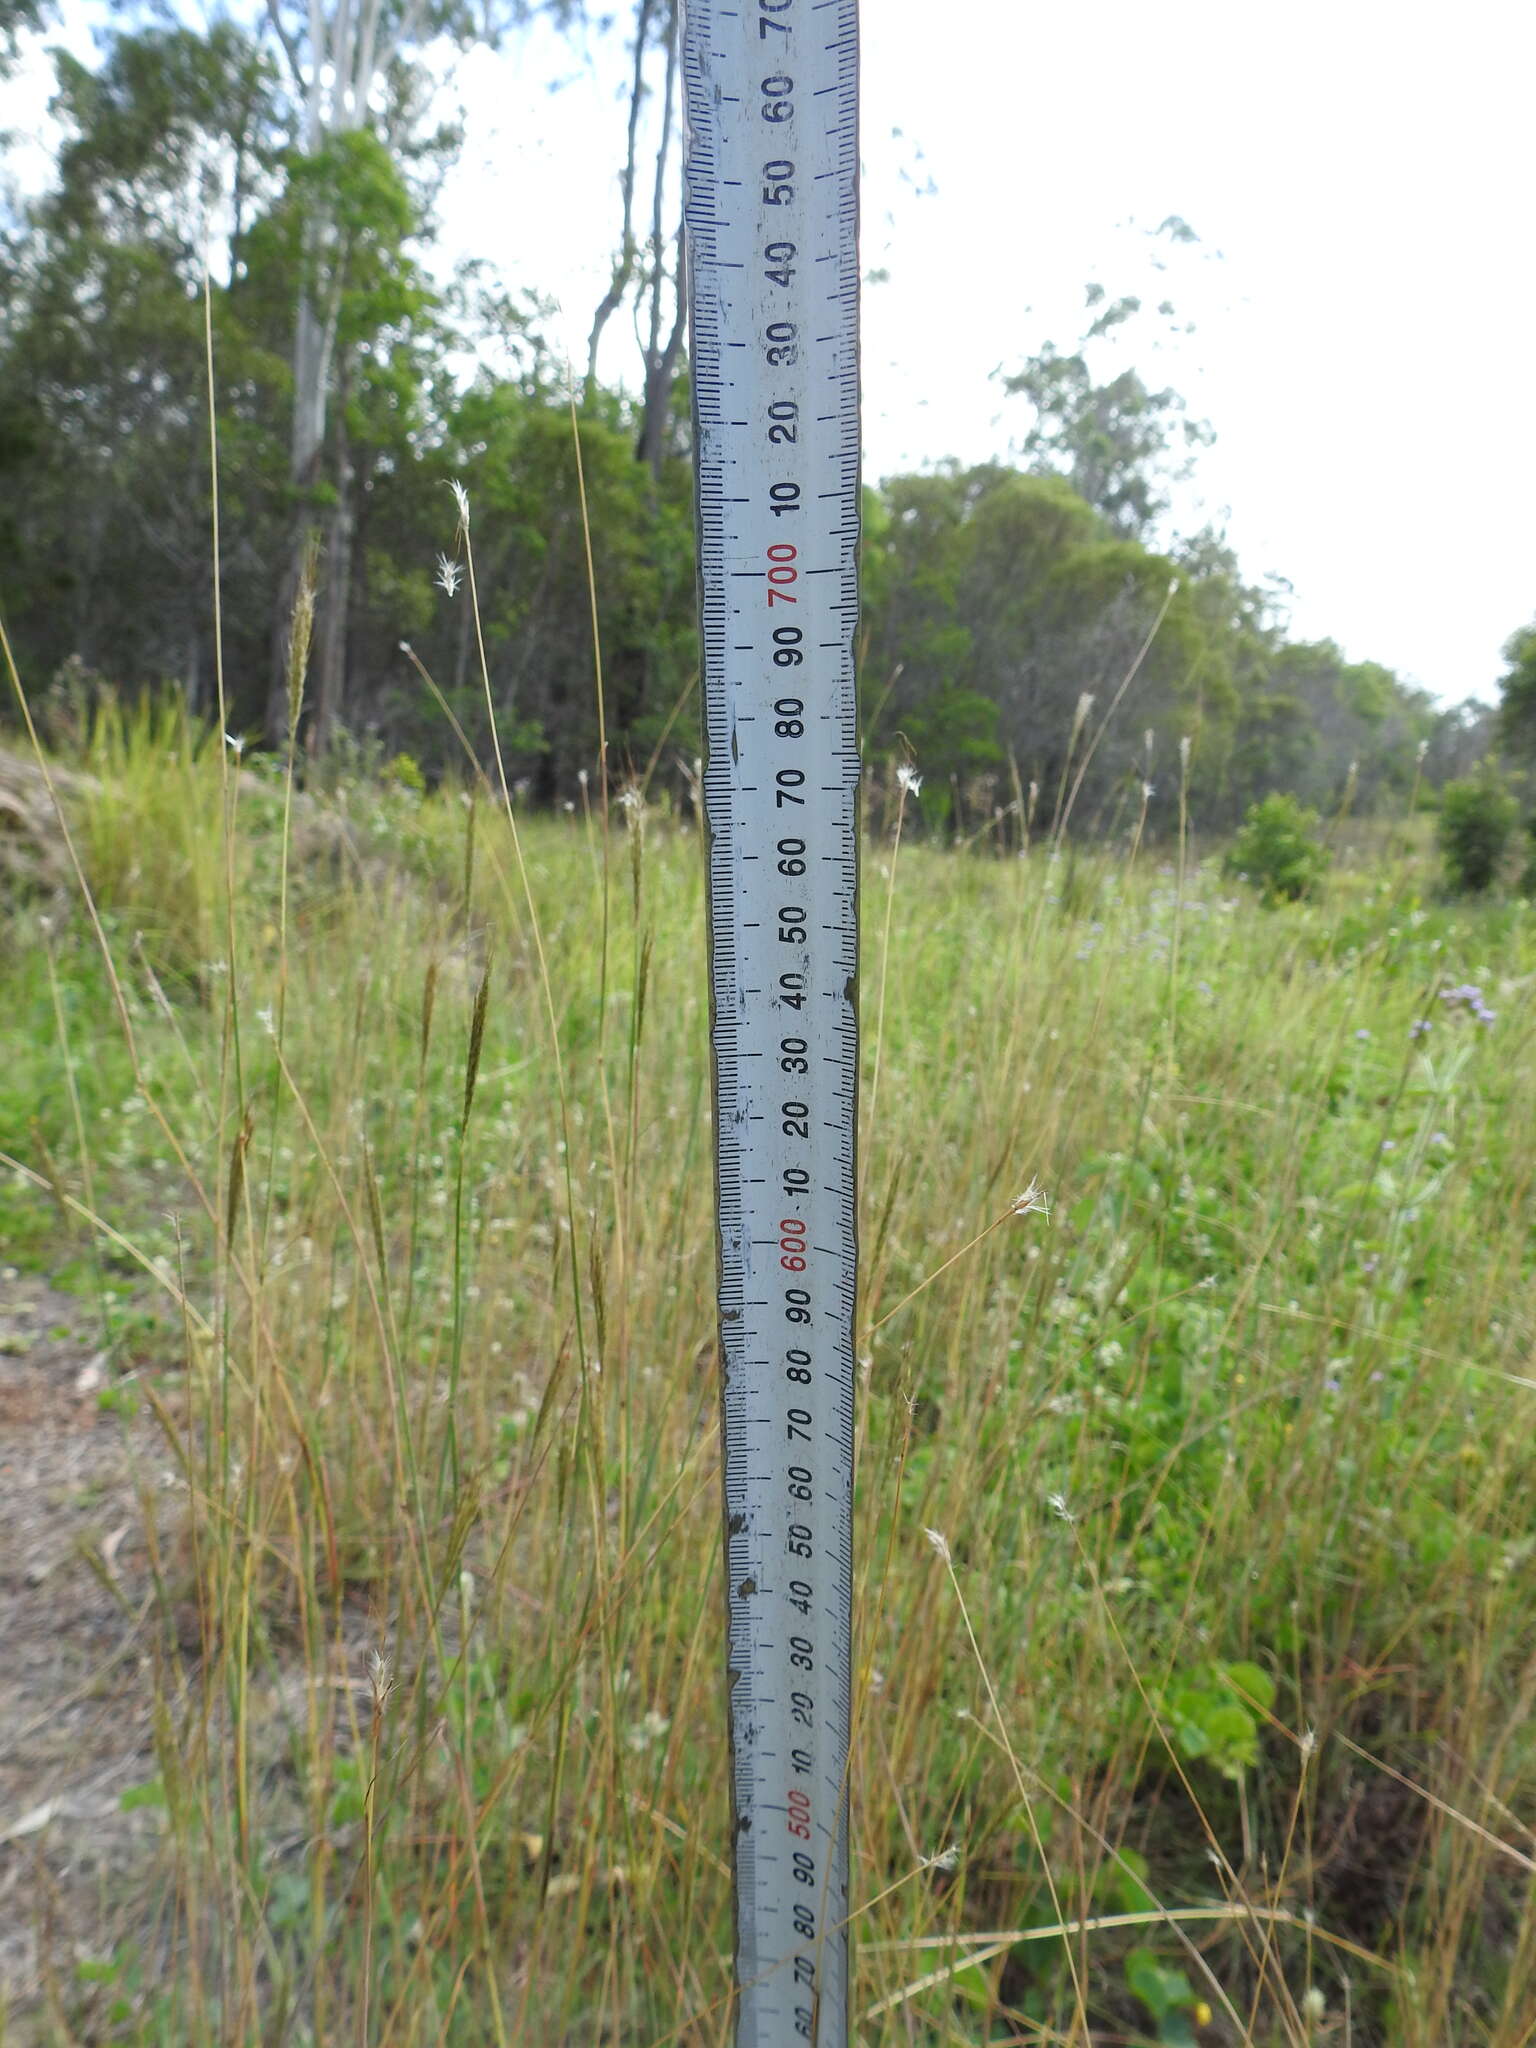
(1194, 1656)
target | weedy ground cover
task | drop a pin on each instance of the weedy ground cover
(1194, 1660)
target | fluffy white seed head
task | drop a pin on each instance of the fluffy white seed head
(381, 1678)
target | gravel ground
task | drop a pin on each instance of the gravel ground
(75, 1619)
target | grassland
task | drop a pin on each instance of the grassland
(1217, 1724)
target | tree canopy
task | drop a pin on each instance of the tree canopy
(268, 187)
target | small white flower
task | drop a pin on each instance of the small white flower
(265, 1020)
(1033, 1202)
(649, 1729)
(939, 1542)
(1057, 1503)
(237, 745)
(947, 1859)
(1423, 749)
(461, 499)
(1184, 750)
(908, 780)
(1147, 792)
(449, 575)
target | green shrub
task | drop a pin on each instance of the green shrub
(1528, 878)
(1278, 850)
(1477, 819)
(406, 772)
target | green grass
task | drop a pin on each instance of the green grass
(1220, 1724)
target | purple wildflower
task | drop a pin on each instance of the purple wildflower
(1469, 996)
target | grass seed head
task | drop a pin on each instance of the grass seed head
(381, 1679)
(301, 629)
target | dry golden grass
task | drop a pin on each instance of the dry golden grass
(1215, 1721)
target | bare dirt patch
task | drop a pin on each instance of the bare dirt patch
(75, 1684)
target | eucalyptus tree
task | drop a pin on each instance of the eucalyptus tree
(18, 18)
(648, 266)
(1517, 696)
(1116, 440)
(169, 147)
(350, 67)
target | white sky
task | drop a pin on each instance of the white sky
(1364, 338)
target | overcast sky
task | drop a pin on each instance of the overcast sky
(1362, 296)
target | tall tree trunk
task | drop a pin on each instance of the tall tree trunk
(661, 376)
(314, 352)
(335, 604)
(661, 357)
(335, 74)
(624, 267)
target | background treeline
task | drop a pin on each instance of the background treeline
(351, 387)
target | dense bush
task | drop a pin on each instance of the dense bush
(1477, 820)
(1528, 875)
(1278, 850)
